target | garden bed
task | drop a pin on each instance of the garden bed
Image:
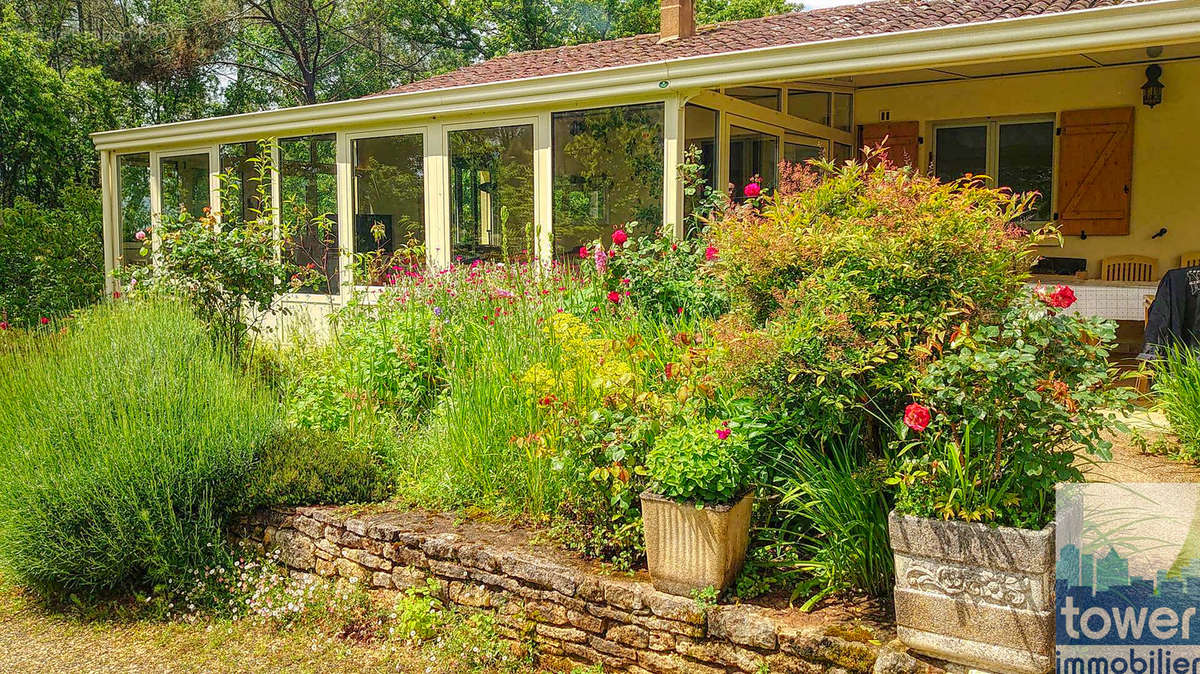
(575, 612)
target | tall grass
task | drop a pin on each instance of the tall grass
(123, 444)
(1177, 384)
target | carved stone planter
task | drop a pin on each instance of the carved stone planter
(689, 548)
(975, 595)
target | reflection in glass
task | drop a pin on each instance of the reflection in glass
(389, 196)
(308, 204)
(800, 153)
(1026, 162)
(491, 193)
(842, 152)
(242, 165)
(810, 105)
(608, 171)
(843, 111)
(767, 97)
(185, 186)
(960, 150)
(752, 154)
(133, 205)
(700, 132)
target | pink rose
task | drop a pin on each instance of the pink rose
(752, 190)
(583, 252)
(710, 253)
(917, 417)
(140, 236)
(620, 237)
(614, 297)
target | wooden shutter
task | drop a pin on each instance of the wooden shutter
(1095, 171)
(902, 144)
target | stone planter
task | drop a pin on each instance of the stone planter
(690, 548)
(975, 595)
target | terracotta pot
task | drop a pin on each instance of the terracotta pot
(690, 548)
(975, 595)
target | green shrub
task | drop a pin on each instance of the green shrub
(703, 463)
(1177, 384)
(299, 466)
(126, 442)
(53, 258)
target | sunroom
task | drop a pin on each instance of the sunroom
(1092, 103)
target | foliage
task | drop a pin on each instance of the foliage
(1013, 397)
(843, 277)
(53, 258)
(1177, 384)
(666, 276)
(298, 466)
(230, 269)
(127, 440)
(702, 463)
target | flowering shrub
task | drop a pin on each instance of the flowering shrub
(1006, 402)
(702, 463)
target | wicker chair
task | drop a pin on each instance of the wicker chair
(1191, 259)
(1137, 268)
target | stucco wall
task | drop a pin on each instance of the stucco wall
(1166, 142)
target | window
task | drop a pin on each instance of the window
(389, 198)
(823, 107)
(843, 111)
(767, 97)
(1018, 154)
(133, 204)
(308, 205)
(700, 131)
(185, 185)
(799, 149)
(608, 171)
(491, 193)
(244, 168)
(752, 155)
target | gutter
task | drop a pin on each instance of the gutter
(1161, 22)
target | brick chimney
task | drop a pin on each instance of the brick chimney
(678, 20)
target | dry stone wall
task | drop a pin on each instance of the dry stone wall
(573, 614)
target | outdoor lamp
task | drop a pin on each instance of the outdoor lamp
(1152, 89)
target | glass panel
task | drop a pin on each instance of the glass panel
(608, 171)
(752, 155)
(799, 153)
(491, 193)
(810, 105)
(960, 150)
(308, 204)
(700, 131)
(1026, 162)
(389, 198)
(843, 111)
(133, 206)
(242, 164)
(842, 152)
(768, 97)
(185, 184)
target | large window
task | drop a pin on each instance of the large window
(608, 171)
(308, 204)
(753, 155)
(767, 97)
(184, 184)
(133, 204)
(244, 167)
(700, 126)
(1018, 154)
(823, 107)
(389, 198)
(491, 193)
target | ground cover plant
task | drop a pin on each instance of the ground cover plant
(128, 436)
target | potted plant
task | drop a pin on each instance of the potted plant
(1005, 405)
(696, 511)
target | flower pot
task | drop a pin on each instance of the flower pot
(975, 595)
(690, 548)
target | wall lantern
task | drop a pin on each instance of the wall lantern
(1152, 90)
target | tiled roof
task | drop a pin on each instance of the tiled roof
(869, 18)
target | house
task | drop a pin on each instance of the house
(1093, 103)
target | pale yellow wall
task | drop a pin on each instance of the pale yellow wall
(1166, 142)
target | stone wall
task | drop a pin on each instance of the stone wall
(572, 612)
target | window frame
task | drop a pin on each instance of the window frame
(432, 238)
(992, 152)
(214, 173)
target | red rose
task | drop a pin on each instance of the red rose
(45, 320)
(614, 297)
(917, 417)
(710, 253)
(1062, 297)
(752, 190)
(620, 237)
(583, 252)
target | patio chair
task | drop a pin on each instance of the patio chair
(1129, 268)
(1191, 259)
